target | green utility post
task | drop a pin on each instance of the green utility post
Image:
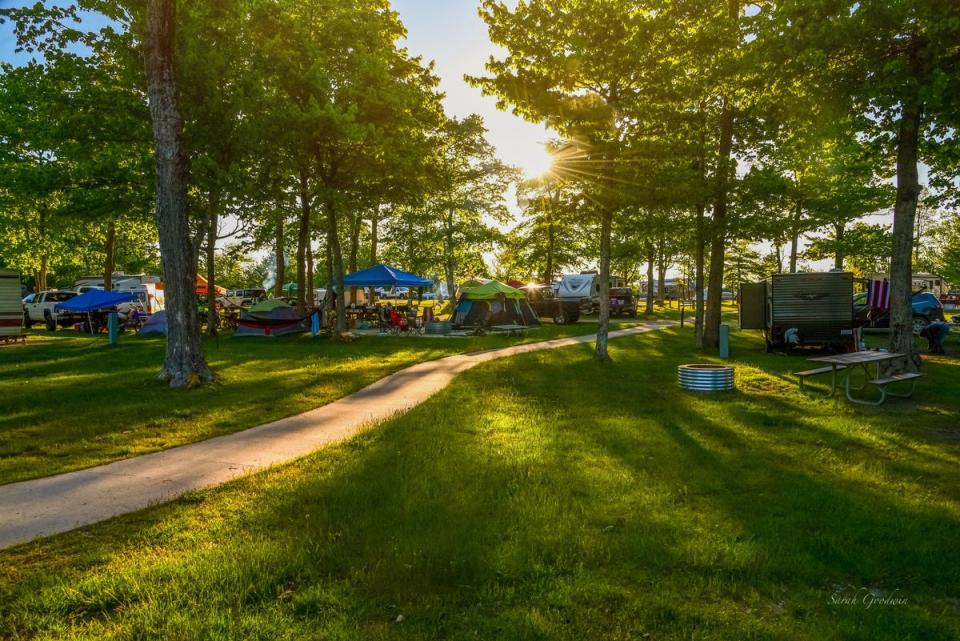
(724, 340)
(112, 328)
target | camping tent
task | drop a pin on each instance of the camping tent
(385, 276)
(156, 324)
(271, 317)
(95, 300)
(492, 304)
(201, 287)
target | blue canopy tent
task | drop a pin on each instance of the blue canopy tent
(94, 301)
(385, 276)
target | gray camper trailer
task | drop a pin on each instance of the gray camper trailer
(800, 309)
(11, 306)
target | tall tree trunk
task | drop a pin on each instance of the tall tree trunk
(448, 259)
(698, 277)
(280, 251)
(355, 222)
(213, 225)
(603, 329)
(110, 250)
(778, 251)
(184, 362)
(374, 239)
(711, 325)
(44, 260)
(551, 237)
(303, 241)
(336, 259)
(838, 255)
(651, 258)
(661, 271)
(795, 235)
(310, 301)
(904, 211)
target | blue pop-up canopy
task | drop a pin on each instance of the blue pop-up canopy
(94, 300)
(385, 276)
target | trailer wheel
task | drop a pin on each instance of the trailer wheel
(559, 318)
(50, 323)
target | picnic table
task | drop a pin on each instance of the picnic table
(846, 364)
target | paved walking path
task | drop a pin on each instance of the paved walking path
(46, 506)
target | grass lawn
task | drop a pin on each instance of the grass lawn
(69, 401)
(547, 497)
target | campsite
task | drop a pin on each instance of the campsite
(479, 319)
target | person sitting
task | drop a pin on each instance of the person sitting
(935, 333)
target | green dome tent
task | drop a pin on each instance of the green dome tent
(493, 304)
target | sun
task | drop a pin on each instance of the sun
(537, 162)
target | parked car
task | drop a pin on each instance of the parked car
(247, 296)
(623, 302)
(545, 302)
(41, 308)
(951, 298)
(926, 309)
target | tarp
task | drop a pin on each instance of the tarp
(271, 317)
(489, 291)
(95, 300)
(156, 324)
(385, 276)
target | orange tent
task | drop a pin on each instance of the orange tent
(201, 286)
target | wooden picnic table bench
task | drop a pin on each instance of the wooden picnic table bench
(852, 361)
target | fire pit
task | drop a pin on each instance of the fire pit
(705, 377)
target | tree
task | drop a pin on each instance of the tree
(896, 62)
(184, 363)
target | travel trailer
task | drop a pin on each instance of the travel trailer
(800, 309)
(585, 288)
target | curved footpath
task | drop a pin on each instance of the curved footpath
(55, 504)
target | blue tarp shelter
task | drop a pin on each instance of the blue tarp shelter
(95, 300)
(385, 276)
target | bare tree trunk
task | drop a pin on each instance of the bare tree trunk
(698, 277)
(711, 326)
(603, 329)
(336, 259)
(448, 262)
(838, 256)
(355, 221)
(904, 211)
(551, 237)
(184, 362)
(303, 241)
(281, 260)
(110, 249)
(213, 224)
(795, 236)
(651, 257)
(44, 260)
(661, 271)
(310, 278)
(374, 239)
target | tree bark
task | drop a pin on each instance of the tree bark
(336, 259)
(110, 249)
(651, 258)
(603, 329)
(551, 237)
(213, 224)
(904, 213)
(795, 235)
(280, 250)
(310, 279)
(661, 271)
(184, 363)
(711, 328)
(303, 241)
(374, 240)
(448, 261)
(838, 255)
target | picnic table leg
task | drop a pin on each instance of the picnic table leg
(866, 372)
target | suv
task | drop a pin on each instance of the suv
(926, 309)
(622, 301)
(248, 296)
(42, 308)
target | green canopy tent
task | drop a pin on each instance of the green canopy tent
(493, 304)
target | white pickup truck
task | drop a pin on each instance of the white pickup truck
(41, 308)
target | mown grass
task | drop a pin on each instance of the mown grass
(69, 401)
(547, 497)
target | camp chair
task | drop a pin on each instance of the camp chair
(398, 323)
